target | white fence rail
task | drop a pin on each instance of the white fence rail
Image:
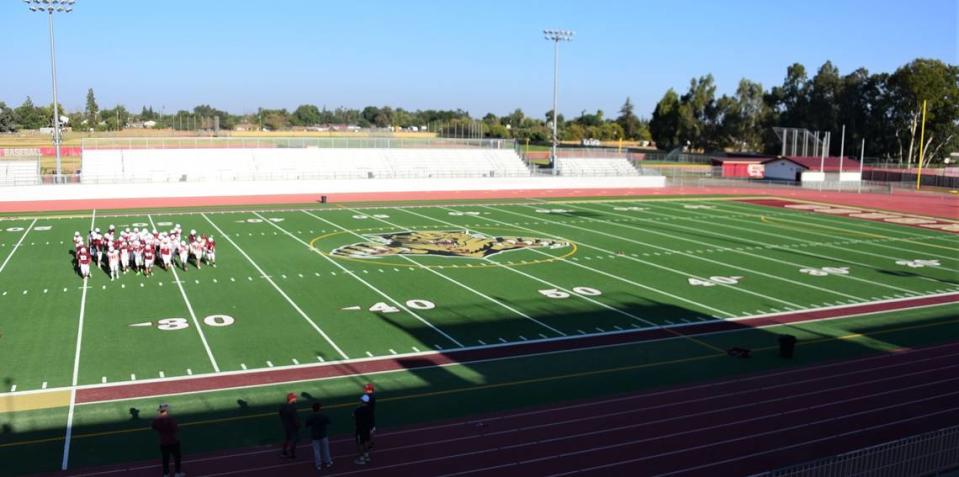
(921, 455)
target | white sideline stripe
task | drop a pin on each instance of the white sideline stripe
(275, 286)
(598, 403)
(64, 464)
(693, 256)
(17, 245)
(368, 284)
(189, 307)
(806, 242)
(444, 276)
(547, 283)
(498, 345)
(616, 277)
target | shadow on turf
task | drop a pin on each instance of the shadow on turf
(248, 417)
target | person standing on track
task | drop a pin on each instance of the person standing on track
(291, 426)
(169, 431)
(363, 425)
(371, 393)
(318, 423)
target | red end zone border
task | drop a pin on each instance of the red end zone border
(856, 213)
(231, 380)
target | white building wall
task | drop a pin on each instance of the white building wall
(782, 170)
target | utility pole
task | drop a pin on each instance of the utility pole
(556, 36)
(50, 7)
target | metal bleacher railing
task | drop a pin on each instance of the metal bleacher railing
(290, 142)
(929, 454)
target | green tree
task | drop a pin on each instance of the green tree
(628, 121)
(8, 121)
(92, 109)
(29, 116)
(306, 115)
(938, 84)
(664, 125)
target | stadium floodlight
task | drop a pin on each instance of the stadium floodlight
(556, 36)
(50, 7)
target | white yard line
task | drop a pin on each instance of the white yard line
(695, 257)
(540, 280)
(17, 245)
(278, 289)
(761, 257)
(441, 275)
(836, 227)
(64, 464)
(662, 267)
(189, 307)
(364, 282)
(616, 277)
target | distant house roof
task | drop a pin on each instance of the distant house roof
(829, 164)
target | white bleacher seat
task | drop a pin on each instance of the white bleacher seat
(19, 172)
(192, 165)
(593, 166)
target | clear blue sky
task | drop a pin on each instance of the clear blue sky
(481, 56)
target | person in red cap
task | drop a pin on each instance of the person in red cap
(291, 426)
(166, 427)
(363, 425)
(369, 391)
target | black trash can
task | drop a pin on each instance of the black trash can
(322, 199)
(787, 346)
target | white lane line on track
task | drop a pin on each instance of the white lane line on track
(367, 284)
(634, 397)
(568, 436)
(278, 289)
(189, 307)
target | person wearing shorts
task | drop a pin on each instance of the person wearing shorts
(363, 425)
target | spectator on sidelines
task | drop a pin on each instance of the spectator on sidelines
(167, 428)
(363, 424)
(370, 391)
(321, 442)
(291, 426)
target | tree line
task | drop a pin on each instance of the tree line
(882, 108)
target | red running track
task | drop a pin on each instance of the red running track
(929, 204)
(730, 427)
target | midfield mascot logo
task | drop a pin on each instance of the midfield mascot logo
(443, 244)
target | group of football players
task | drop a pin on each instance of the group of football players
(121, 251)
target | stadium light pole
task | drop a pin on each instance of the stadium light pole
(50, 7)
(556, 36)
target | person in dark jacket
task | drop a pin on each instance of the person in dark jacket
(318, 422)
(169, 433)
(291, 426)
(363, 425)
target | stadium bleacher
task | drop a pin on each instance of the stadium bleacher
(199, 165)
(595, 166)
(19, 172)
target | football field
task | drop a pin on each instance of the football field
(297, 287)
